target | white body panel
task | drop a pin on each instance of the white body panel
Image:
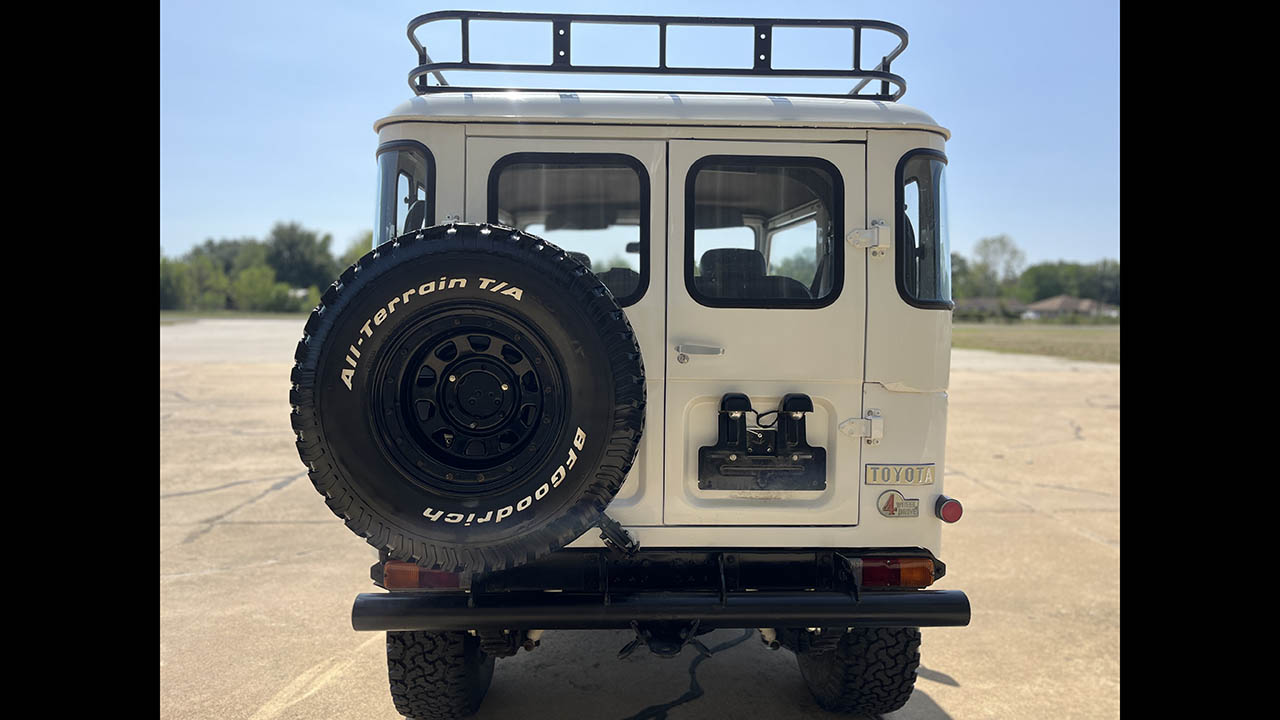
(868, 349)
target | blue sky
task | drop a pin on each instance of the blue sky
(267, 108)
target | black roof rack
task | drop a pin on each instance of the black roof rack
(562, 61)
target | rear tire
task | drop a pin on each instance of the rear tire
(437, 675)
(870, 670)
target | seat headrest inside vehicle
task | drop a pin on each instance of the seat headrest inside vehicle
(733, 263)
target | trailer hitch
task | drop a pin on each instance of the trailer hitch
(665, 639)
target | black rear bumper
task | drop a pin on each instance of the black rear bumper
(592, 588)
(591, 611)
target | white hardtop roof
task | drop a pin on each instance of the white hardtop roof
(653, 108)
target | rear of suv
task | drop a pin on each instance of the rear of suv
(671, 362)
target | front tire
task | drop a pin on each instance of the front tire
(437, 675)
(869, 671)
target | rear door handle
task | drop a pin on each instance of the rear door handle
(699, 350)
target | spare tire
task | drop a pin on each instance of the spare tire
(468, 397)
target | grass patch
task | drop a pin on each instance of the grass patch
(173, 317)
(1099, 343)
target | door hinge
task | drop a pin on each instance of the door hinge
(876, 236)
(871, 427)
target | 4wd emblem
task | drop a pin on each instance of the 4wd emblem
(892, 504)
(922, 474)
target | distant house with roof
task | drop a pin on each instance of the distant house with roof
(990, 306)
(1060, 305)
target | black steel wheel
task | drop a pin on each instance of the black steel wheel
(468, 397)
(464, 395)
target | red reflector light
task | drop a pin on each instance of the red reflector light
(897, 572)
(948, 509)
(409, 576)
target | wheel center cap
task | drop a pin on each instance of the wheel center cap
(480, 395)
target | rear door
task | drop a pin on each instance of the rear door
(766, 298)
(606, 201)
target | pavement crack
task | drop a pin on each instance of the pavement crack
(1075, 427)
(210, 522)
(1068, 488)
(1077, 530)
(659, 712)
(1077, 433)
(224, 487)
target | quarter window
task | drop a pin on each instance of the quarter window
(924, 248)
(763, 232)
(406, 190)
(593, 205)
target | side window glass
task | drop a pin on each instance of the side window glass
(595, 206)
(924, 248)
(763, 232)
(406, 186)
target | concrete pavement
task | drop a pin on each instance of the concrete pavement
(257, 577)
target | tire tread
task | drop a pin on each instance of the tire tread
(870, 671)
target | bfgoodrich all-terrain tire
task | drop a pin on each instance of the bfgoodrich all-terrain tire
(468, 397)
(437, 675)
(870, 671)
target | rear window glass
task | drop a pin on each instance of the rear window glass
(924, 246)
(406, 189)
(595, 206)
(763, 232)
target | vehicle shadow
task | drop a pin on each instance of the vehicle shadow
(577, 674)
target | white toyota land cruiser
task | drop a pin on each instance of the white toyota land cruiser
(715, 327)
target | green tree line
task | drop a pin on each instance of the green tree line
(286, 271)
(282, 273)
(998, 270)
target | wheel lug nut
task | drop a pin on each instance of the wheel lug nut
(505, 387)
(453, 378)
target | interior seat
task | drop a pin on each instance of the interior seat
(621, 281)
(739, 273)
(779, 286)
(730, 272)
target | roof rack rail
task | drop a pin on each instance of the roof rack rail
(562, 61)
